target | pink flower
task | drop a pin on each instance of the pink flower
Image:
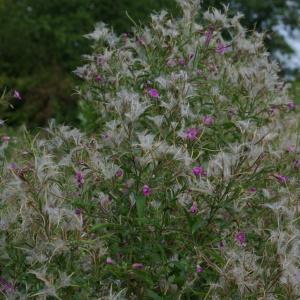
(5, 138)
(208, 34)
(141, 41)
(297, 163)
(78, 211)
(138, 266)
(252, 190)
(291, 148)
(208, 120)
(13, 166)
(291, 105)
(199, 269)
(198, 170)
(198, 72)
(281, 178)
(221, 245)
(146, 190)
(6, 286)
(98, 78)
(171, 62)
(109, 261)
(79, 178)
(120, 173)
(191, 133)
(17, 95)
(181, 61)
(153, 93)
(194, 208)
(221, 48)
(241, 238)
(101, 61)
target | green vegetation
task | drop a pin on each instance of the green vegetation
(188, 187)
(42, 42)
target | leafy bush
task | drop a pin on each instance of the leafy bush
(173, 198)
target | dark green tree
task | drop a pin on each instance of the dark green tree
(41, 43)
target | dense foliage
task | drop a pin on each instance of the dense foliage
(265, 15)
(188, 190)
(41, 43)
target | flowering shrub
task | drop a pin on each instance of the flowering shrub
(187, 190)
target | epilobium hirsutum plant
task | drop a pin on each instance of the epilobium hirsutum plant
(172, 197)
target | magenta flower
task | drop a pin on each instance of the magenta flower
(101, 61)
(6, 286)
(78, 211)
(240, 237)
(221, 245)
(194, 208)
(120, 173)
(153, 93)
(109, 261)
(146, 190)
(181, 61)
(208, 120)
(191, 133)
(221, 48)
(13, 166)
(138, 266)
(79, 178)
(17, 95)
(291, 105)
(272, 110)
(199, 269)
(5, 138)
(297, 163)
(281, 178)
(198, 170)
(252, 190)
(98, 78)
(208, 34)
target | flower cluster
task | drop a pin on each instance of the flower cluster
(171, 197)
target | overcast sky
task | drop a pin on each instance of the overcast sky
(293, 61)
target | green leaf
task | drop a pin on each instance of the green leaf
(198, 224)
(140, 207)
(103, 225)
(152, 295)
